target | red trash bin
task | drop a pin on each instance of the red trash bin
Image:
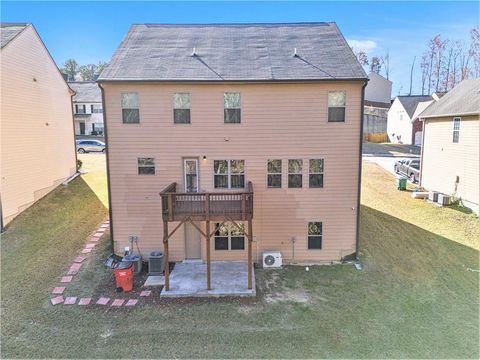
(124, 275)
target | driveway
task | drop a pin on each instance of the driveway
(390, 150)
(386, 163)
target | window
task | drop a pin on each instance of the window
(336, 106)
(295, 168)
(80, 109)
(231, 108)
(130, 110)
(314, 235)
(96, 109)
(229, 174)
(315, 175)
(181, 108)
(456, 129)
(146, 166)
(274, 173)
(229, 237)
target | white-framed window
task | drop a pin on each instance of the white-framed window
(181, 108)
(229, 174)
(315, 234)
(96, 108)
(232, 108)
(336, 106)
(80, 109)
(315, 173)
(130, 108)
(146, 166)
(274, 173)
(295, 173)
(456, 129)
(229, 237)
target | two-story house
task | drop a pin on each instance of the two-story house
(37, 141)
(377, 102)
(251, 133)
(87, 108)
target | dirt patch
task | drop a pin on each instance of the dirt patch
(287, 294)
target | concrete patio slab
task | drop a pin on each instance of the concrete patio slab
(229, 278)
(155, 281)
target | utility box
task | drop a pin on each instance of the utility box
(136, 260)
(433, 196)
(156, 263)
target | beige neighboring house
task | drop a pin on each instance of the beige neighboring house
(451, 144)
(87, 108)
(37, 140)
(245, 129)
(377, 102)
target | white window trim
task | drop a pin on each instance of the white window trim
(229, 237)
(280, 173)
(299, 173)
(322, 173)
(345, 106)
(185, 173)
(459, 127)
(322, 235)
(229, 174)
(154, 166)
(121, 107)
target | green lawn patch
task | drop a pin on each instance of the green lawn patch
(415, 298)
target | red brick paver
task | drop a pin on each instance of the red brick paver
(118, 302)
(103, 301)
(56, 300)
(98, 234)
(70, 300)
(58, 290)
(79, 259)
(66, 279)
(146, 293)
(85, 301)
(90, 246)
(86, 251)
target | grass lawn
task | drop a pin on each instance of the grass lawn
(416, 297)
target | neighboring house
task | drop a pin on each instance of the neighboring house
(377, 102)
(232, 113)
(451, 144)
(87, 108)
(402, 126)
(37, 141)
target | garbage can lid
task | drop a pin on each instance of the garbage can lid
(124, 265)
(156, 253)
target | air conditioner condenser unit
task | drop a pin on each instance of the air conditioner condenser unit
(433, 196)
(444, 200)
(272, 259)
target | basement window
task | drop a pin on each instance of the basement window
(456, 129)
(231, 108)
(274, 173)
(130, 109)
(315, 235)
(295, 177)
(146, 166)
(181, 108)
(315, 175)
(229, 237)
(336, 106)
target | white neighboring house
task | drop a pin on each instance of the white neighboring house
(402, 124)
(377, 102)
(87, 108)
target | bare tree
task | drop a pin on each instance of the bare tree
(411, 75)
(87, 72)
(424, 65)
(375, 65)
(362, 58)
(475, 49)
(386, 63)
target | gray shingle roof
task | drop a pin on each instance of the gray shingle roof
(86, 91)
(234, 52)
(410, 103)
(462, 99)
(8, 31)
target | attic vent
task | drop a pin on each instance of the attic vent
(194, 52)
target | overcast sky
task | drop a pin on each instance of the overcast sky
(91, 31)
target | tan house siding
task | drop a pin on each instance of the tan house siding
(444, 160)
(37, 143)
(279, 121)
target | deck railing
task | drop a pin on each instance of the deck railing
(206, 205)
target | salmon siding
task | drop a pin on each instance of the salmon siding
(296, 141)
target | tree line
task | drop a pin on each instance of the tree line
(73, 71)
(443, 64)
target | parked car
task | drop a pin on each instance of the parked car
(86, 146)
(409, 168)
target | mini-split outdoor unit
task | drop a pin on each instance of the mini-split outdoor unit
(272, 259)
(433, 196)
(444, 200)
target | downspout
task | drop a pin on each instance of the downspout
(421, 153)
(357, 245)
(108, 166)
(72, 94)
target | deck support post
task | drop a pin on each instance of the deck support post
(249, 262)
(209, 274)
(165, 250)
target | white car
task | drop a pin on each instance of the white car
(86, 146)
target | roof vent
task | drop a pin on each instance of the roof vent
(295, 52)
(194, 52)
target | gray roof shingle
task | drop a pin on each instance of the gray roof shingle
(8, 31)
(86, 91)
(234, 52)
(410, 102)
(462, 99)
